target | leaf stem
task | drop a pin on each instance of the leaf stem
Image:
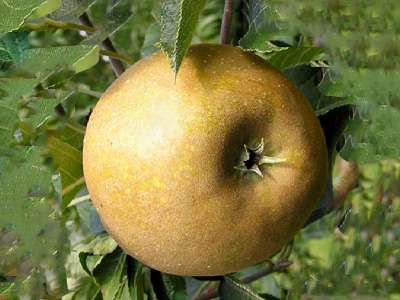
(225, 37)
(116, 64)
(49, 24)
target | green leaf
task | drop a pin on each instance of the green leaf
(232, 289)
(178, 22)
(294, 56)
(13, 46)
(108, 20)
(45, 8)
(44, 61)
(12, 15)
(263, 26)
(70, 10)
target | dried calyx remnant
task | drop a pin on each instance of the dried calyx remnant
(252, 158)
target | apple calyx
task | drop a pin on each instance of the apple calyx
(252, 158)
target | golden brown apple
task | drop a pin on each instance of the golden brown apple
(167, 169)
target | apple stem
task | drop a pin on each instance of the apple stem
(252, 158)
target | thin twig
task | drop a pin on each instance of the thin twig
(116, 64)
(277, 267)
(212, 291)
(348, 174)
(225, 37)
(116, 55)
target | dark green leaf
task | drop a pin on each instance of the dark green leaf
(89, 262)
(137, 284)
(306, 79)
(175, 286)
(178, 22)
(111, 273)
(232, 289)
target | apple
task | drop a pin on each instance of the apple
(209, 172)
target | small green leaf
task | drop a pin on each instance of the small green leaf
(294, 56)
(232, 289)
(178, 22)
(108, 20)
(101, 245)
(44, 61)
(87, 61)
(262, 19)
(70, 10)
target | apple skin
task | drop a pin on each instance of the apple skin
(159, 156)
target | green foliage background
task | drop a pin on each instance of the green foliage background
(52, 243)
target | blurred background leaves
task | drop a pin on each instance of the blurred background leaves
(52, 72)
